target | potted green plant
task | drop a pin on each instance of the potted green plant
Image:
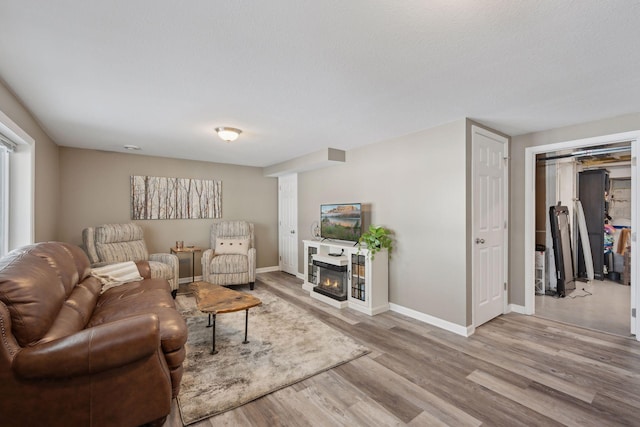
(375, 239)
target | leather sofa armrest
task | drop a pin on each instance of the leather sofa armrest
(92, 350)
(207, 256)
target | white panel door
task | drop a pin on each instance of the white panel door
(489, 224)
(288, 223)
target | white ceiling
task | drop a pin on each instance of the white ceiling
(298, 76)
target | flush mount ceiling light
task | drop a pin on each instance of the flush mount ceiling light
(228, 134)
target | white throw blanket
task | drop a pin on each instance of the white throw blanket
(113, 275)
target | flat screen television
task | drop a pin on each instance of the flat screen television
(341, 221)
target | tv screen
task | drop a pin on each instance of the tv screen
(341, 221)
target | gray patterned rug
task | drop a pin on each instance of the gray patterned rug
(286, 345)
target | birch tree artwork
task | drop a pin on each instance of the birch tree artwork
(154, 197)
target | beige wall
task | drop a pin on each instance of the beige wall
(416, 186)
(517, 181)
(46, 198)
(95, 190)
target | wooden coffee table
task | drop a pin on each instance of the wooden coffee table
(216, 299)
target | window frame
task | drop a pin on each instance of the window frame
(4, 200)
(20, 195)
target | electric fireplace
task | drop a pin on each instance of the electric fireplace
(332, 280)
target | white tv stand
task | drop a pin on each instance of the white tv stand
(368, 280)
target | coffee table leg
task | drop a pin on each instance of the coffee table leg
(246, 326)
(213, 332)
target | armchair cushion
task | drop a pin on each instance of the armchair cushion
(227, 245)
(229, 264)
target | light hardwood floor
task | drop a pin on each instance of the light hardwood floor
(515, 370)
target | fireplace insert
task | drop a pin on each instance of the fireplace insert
(332, 280)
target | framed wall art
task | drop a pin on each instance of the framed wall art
(154, 197)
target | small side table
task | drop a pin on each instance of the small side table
(192, 250)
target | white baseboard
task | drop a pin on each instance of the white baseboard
(465, 331)
(267, 269)
(517, 308)
(300, 276)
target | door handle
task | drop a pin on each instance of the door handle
(479, 241)
(293, 231)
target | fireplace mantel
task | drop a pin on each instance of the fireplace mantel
(367, 280)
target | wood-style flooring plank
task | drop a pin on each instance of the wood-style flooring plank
(518, 364)
(388, 395)
(597, 352)
(587, 373)
(490, 408)
(539, 402)
(305, 411)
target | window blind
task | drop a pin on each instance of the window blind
(8, 144)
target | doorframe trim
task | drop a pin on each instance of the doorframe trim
(506, 174)
(529, 210)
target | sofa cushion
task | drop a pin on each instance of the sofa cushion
(229, 245)
(83, 263)
(68, 322)
(148, 296)
(83, 300)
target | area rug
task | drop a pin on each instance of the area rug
(286, 345)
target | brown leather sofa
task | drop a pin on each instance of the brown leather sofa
(74, 357)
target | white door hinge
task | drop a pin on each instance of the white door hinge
(505, 286)
(633, 312)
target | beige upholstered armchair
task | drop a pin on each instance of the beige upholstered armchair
(111, 243)
(232, 257)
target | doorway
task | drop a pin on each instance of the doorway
(584, 291)
(490, 153)
(288, 223)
